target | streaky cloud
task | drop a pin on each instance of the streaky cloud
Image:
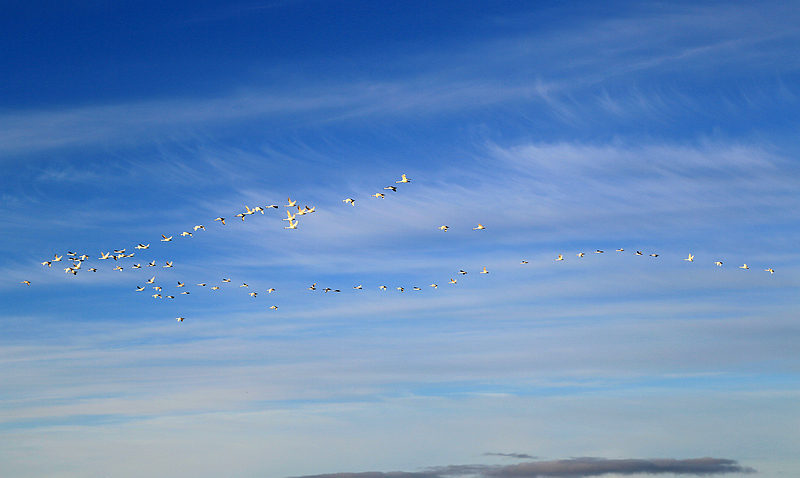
(570, 468)
(521, 456)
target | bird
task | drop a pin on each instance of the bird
(244, 285)
(313, 286)
(213, 287)
(350, 200)
(434, 286)
(249, 211)
(241, 215)
(57, 258)
(180, 319)
(620, 250)
(744, 266)
(560, 257)
(401, 289)
(444, 228)
(139, 288)
(327, 289)
(157, 296)
(690, 258)
(105, 255)
(391, 188)
(200, 226)
(142, 246)
(151, 264)
(292, 225)
(151, 280)
(202, 284)
(259, 209)
(274, 307)
(270, 290)
(416, 288)
(291, 203)
(638, 253)
(186, 233)
(226, 280)
(453, 281)
(26, 282)
(523, 262)
(404, 180)
(136, 266)
(119, 251)
(170, 297)
(653, 255)
(484, 271)
(181, 284)
(169, 264)
(769, 270)
(480, 226)
(186, 292)
(718, 264)
(118, 268)
(47, 263)
(309, 210)
(580, 254)
(165, 238)
(157, 287)
(289, 217)
(92, 269)
(300, 211)
(383, 287)
(272, 206)
(357, 287)
(378, 195)
(221, 219)
(598, 251)
(253, 294)
(462, 272)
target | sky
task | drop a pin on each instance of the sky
(667, 128)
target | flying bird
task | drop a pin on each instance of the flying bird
(462, 272)
(47, 263)
(484, 271)
(165, 238)
(186, 233)
(718, 264)
(401, 289)
(598, 251)
(151, 280)
(434, 286)
(213, 287)
(620, 249)
(350, 200)
(653, 255)
(142, 246)
(560, 257)
(244, 285)
(274, 307)
(270, 290)
(404, 180)
(169, 264)
(221, 219)
(383, 287)
(523, 262)
(391, 188)
(357, 287)
(291, 203)
(289, 217)
(179, 319)
(57, 258)
(444, 228)
(151, 264)
(580, 254)
(136, 266)
(313, 286)
(118, 268)
(226, 280)
(181, 284)
(690, 258)
(26, 282)
(292, 225)
(769, 270)
(253, 294)
(199, 227)
(378, 195)
(453, 281)
(480, 226)
(743, 266)
(139, 288)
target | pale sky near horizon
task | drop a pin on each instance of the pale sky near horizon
(668, 128)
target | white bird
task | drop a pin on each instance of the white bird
(523, 262)
(690, 258)
(156, 296)
(404, 180)
(416, 288)
(170, 297)
(638, 253)
(270, 290)
(484, 271)
(221, 219)
(139, 288)
(769, 270)
(26, 282)
(289, 217)
(580, 254)
(253, 294)
(462, 272)
(136, 266)
(291, 203)
(453, 281)
(202, 284)
(226, 280)
(401, 289)
(350, 200)
(151, 264)
(718, 264)
(181, 284)
(327, 289)
(157, 287)
(653, 255)
(383, 287)
(259, 209)
(272, 206)
(142, 246)
(244, 285)
(480, 226)
(186, 292)
(300, 211)
(213, 287)
(309, 210)
(434, 286)
(92, 269)
(151, 280)
(249, 211)
(620, 250)
(47, 263)
(391, 188)
(118, 268)
(179, 319)
(292, 225)
(743, 266)
(241, 215)
(444, 228)
(57, 258)
(274, 307)
(165, 238)
(560, 257)
(186, 233)
(598, 251)
(378, 195)
(169, 264)
(313, 286)
(119, 251)
(200, 226)
(357, 287)
(105, 255)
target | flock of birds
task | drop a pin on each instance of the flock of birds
(77, 260)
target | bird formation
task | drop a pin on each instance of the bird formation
(292, 213)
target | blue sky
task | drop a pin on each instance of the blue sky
(668, 128)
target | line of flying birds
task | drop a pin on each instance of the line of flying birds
(117, 254)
